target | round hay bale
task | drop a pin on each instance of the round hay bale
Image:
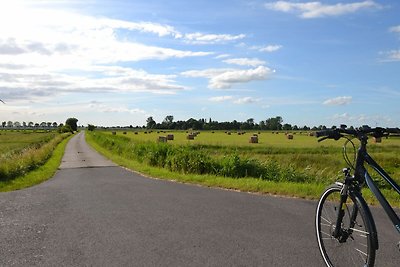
(170, 137)
(162, 139)
(289, 136)
(253, 139)
(190, 137)
(377, 139)
(114, 133)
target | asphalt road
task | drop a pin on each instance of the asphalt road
(94, 213)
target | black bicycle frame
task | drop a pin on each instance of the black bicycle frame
(375, 190)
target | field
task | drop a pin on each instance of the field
(303, 155)
(299, 167)
(14, 141)
(24, 151)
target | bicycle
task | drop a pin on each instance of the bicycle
(344, 224)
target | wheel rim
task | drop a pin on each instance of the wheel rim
(353, 250)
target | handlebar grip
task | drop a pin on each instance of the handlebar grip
(392, 130)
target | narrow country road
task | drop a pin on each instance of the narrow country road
(94, 213)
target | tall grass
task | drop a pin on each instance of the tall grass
(20, 162)
(196, 160)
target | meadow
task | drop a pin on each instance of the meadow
(275, 158)
(24, 151)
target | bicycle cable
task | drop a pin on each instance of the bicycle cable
(345, 154)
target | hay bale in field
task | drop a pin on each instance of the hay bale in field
(162, 139)
(255, 134)
(253, 139)
(377, 139)
(311, 134)
(113, 133)
(170, 137)
(136, 133)
(190, 137)
(228, 133)
(124, 133)
(289, 136)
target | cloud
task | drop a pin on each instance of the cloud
(78, 53)
(338, 101)
(229, 78)
(316, 9)
(221, 98)
(246, 100)
(226, 78)
(201, 38)
(252, 62)
(390, 56)
(267, 48)
(395, 29)
(27, 84)
(114, 109)
(360, 119)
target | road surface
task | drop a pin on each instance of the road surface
(94, 213)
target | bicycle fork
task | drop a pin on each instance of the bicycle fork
(339, 233)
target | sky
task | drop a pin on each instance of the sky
(111, 63)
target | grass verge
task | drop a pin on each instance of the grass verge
(39, 175)
(288, 189)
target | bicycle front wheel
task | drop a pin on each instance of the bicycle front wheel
(355, 244)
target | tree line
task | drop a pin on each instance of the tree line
(274, 123)
(70, 125)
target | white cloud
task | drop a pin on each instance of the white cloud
(114, 109)
(394, 55)
(316, 9)
(222, 56)
(252, 62)
(71, 50)
(246, 100)
(201, 38)
(229, 78)
(395, 29)
(360, 119)
(221, 98)
(226, 78)
(390, 56)
(338, 101)
(267, 48)
(207, 73)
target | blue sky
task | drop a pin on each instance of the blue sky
(120, 62)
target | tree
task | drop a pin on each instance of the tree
(168, 122)
(91, 127)
(274, 123)
(150, 123)
(72, 122)
(4, 124)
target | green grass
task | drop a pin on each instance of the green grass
(14, 141)
(39, 175)
(123, 145)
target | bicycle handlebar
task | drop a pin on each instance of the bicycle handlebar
(338, 133)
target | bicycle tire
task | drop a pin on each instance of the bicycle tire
(360, 246)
